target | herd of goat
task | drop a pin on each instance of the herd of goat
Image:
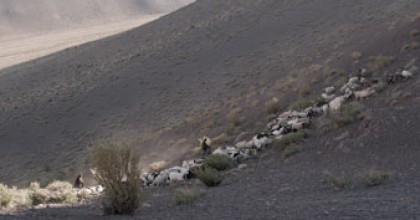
(333, 98)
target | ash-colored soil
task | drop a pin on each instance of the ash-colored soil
(184, 63)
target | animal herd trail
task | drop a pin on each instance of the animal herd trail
(287, 124)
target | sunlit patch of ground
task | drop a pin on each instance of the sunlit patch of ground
(21, 48)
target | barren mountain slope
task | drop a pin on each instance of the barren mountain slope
(273, 187)
(150, 78)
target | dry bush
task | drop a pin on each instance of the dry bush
(291, 150)
(218, 162)
(377, 63)
(61, 192)
(39, 196)
(349, 114)
(221, 139)
(356, 55)
(292, 138)
(209, 176)
(84, 194)
(21, 198)
(233, 118)
(374, 177)
(272, 106)
(117, 170)
(302, 103)
(380, 86)
(185, 196)
(339, 182)
(6, 195)
(55, 192)
(34, 186)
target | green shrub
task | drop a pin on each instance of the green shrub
(218, 162)
(187, 196)
(374, 177)
(117, 170)
(349, 114)
(209, 176)
(6, 195)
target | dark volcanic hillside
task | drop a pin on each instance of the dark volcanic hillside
(191, 63)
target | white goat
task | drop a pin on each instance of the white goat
(406, 74)
(336, 103)
(354, 80)
(161, 179)
(364, 93)
(329, 90)
(220, 151)
(328, 97)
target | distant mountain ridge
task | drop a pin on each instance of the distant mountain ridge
(40, 15)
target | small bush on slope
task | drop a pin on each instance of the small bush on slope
(117, 170)
(349, 114)
(187, 196)
(61, 192)
(292, 138)
(374, 177)
(339, 182)
(291, 150)
(6, 195)
(218, 162)
(209, 176)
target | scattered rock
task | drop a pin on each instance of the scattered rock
(146, 205)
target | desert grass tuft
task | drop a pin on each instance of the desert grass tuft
(291, 150)
(186, 196)
(209, 176)
(272, 106)
(374, 177)
(218, 162)
(378, 63)
(292, 138)
(356, 55)
(349, 114)
(339, 182)
(61, 192)
(6, 195)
